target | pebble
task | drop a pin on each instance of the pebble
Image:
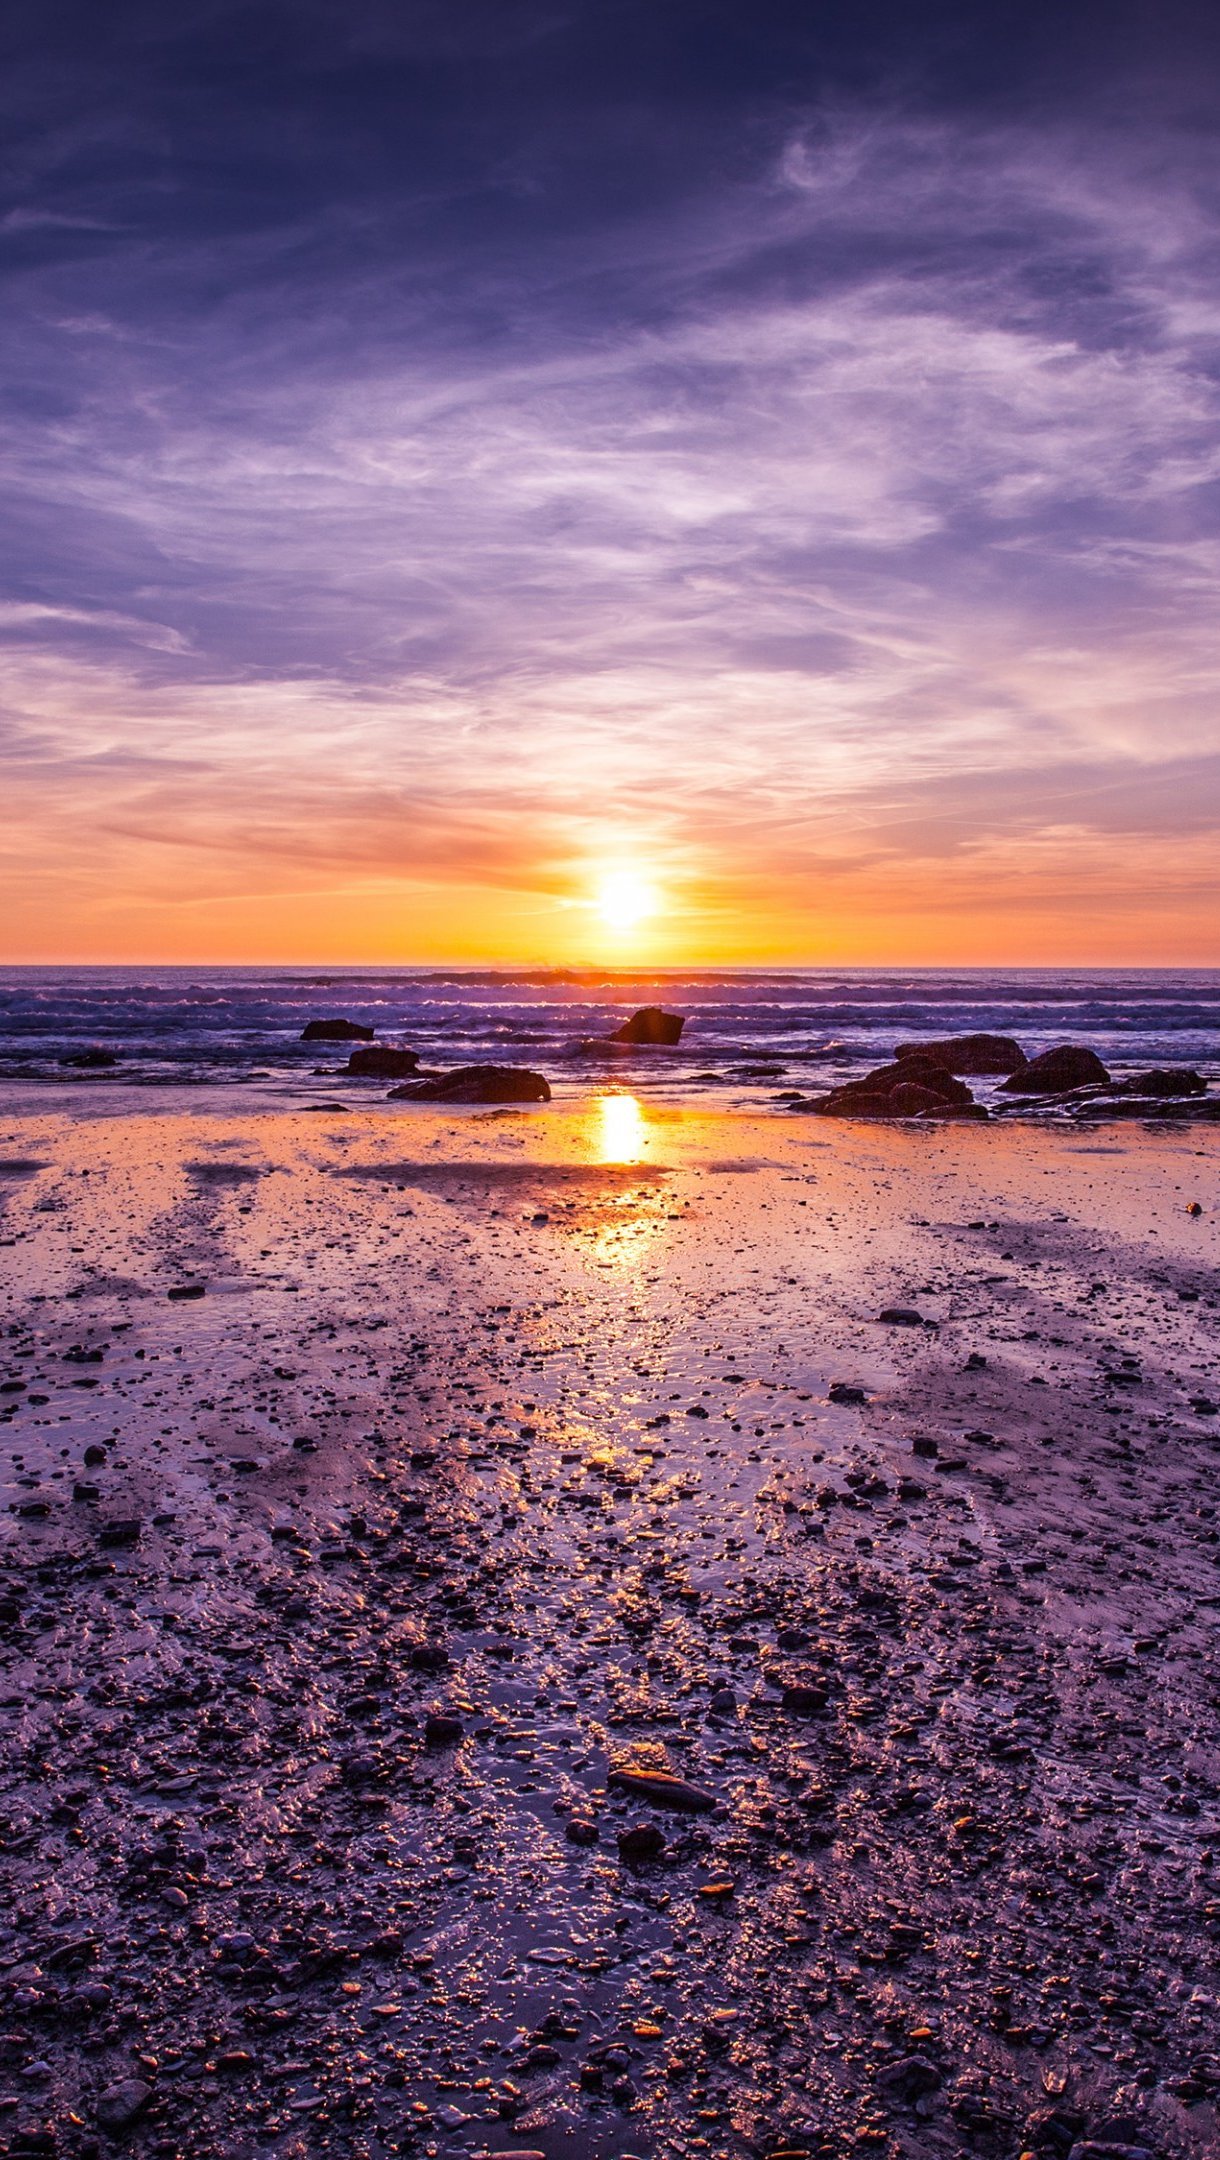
(663, 1790)
(122, 2105)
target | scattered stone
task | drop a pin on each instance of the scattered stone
(640, 1841)
(441, 1729)
(903, 1316)
(910, 2078)
(123, 2104)
(663, 1790)
(845, 1391)
(183, 1291)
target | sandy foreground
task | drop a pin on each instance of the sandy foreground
(498, 1460)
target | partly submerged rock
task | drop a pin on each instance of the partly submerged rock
(652, 1026)
(383, 1063)
(1165, 1082)
(1057, 1071)
(911, 1087)
(337, 1031)
(973, 1054)
(96, 1060)
(478, 1084)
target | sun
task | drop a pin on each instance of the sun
(625, 899)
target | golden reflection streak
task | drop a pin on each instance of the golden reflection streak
(620, 1131)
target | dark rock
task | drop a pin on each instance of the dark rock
(122, 1532)
(337, 1031)
(1056, 1071)
(911, 1100)
(478, 1084)
(641, 1841)
(902, 1316)
(804, 1700)
(442, 1730)
(1165, 1082)
(1103, 2149)
(183, 1291)
(428, 1657)
(93, 1456)
(652, 1026)
(913, 1086)
(842, 1391)
(383, 1063)
(663, 1790)
(123, 2104)
(90, 1060)
(910, 2078)
(581, 1830)
(970, 1054)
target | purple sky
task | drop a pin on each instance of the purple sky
(451, 450)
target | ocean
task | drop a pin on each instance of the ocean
(749, 1033)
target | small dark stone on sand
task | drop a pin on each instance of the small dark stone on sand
(442, 1730)
(663, 1790)
(123, 2104)
(641, 1841)
(182, 1291)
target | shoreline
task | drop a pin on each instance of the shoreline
(527, 1424)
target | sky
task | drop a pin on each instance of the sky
(621, 480)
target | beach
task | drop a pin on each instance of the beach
(507, 1648)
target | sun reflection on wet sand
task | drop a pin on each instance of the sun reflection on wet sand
(619, 1135)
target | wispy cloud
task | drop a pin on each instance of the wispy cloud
(845, 520)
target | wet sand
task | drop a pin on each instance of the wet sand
(501, 1457)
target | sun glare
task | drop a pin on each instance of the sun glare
(621, 1134)
(624, 899)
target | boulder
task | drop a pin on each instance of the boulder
(652, 1026)
(337, 1031)
(1164, 1082)
(90, 1060)
(478, 1084)
(973, 1054)
(911, 1087)
(910, 1100)
(382, 1063)
(1056, 1071)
